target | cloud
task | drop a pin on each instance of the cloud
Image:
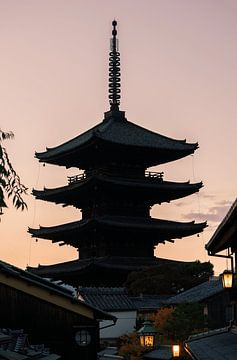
(215, 213)
(206, 196)
(202, 195)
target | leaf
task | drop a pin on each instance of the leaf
(10, 183)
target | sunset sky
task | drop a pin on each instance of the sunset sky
(179, 78)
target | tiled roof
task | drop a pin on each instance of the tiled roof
(164, 352)
(131, 263)
(157, 191)
(197, 293)
(149, 302)
(107, 299)
(14, 345)
(162, 230)
(215, 345)
(109, 353)
(118, 299)
(117, 130)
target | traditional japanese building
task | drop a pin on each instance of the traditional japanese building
(115, 193)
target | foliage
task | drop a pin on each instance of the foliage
(10, 183)
(168, 278)
(187, 319)
(129, 347)
(177, 324)
(160, 320)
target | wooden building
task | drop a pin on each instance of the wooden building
(215, 301)
(49, 314)
(220, 343)
(115, 192)
(224, 238)
(223, 244)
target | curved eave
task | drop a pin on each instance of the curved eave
(89, 155)
(116, 134)
(225, 235)
(77, 194)
(162, 230)
(79, 267)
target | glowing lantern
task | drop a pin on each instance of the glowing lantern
(227, 279)
(147, 335)
(175, 350)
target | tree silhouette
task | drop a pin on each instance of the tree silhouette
(10, 184)
(170, 278)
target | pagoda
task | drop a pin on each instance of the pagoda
(114, 192)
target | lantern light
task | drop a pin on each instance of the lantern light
(175, 350)
(227, 279)
(147, 335)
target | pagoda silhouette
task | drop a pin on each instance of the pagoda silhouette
(115, 192)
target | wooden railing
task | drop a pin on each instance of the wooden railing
(154, 175)
(76, 178)
(85, 175)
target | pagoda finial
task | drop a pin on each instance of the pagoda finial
(114, 70)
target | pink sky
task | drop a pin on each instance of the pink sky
(179, 76)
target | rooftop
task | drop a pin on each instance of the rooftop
(107, 262)
(116, 130)
(80, 192)
(61, 294)
(218, 344)
(225, 235)
(168, 230)
(197, 293)
(14, 345)
(164, 352)
(118, 299)
(149, 302)
(107, 299)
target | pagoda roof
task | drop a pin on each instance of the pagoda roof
(114, 132)
(158, 230)
(79, 271)
(79, 193)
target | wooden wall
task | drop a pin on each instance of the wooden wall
(46, 323)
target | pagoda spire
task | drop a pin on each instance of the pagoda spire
(114, 70)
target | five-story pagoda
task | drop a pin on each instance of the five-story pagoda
(115, 192)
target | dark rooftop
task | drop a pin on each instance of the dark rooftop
(31, 278)
(164, 352)
(164, 189)
(107, 299)
(113, 299)
(107, 262)
(197, 293)
(82, 271)
(116, 130)
(152, 188)
(218, 344)
(168, 230)
(14, 345)
(109, 353)
(149, 302)
(26, 275)
(225, 234)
